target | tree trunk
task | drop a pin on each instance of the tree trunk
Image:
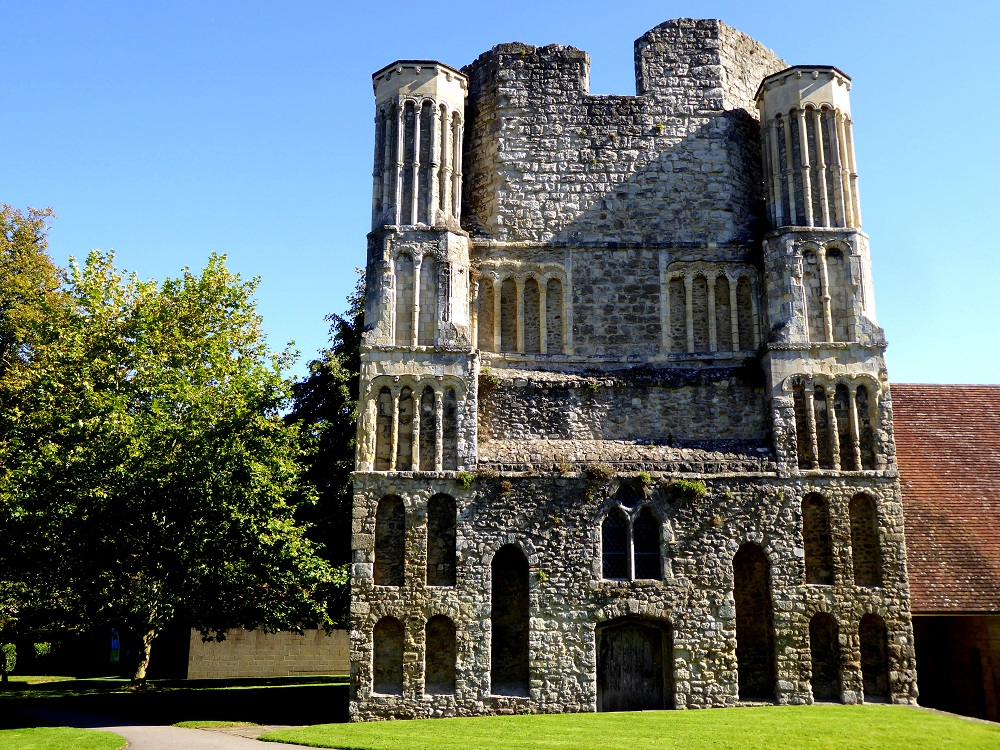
(139, 678)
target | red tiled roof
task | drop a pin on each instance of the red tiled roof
(948, 452)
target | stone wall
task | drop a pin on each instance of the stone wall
(556, 521)
(254, 653)
(546, 161)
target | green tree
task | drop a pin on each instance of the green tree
(147, 469)
(326, 404)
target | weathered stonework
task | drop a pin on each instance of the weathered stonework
(626, 433)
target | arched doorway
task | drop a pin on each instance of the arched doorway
(634, 657)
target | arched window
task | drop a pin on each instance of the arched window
(816, 540)
(383, 430)
(744, 309)
(614, 545)
(404, 431)
(754, 623)
(803, 432)
(509, 619)
(441, 519)
(873, 637)
(439, 656)
(532, 320)
(387, 669)
(646, 545)
(554, 316)
(404, 300)
(678, 315)
(864, 541)
(449, 428)
(485, 315)
(390, 541)
(821, 409)
(427, 325)
(824, 649)
(428, 431)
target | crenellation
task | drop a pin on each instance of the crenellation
(632, 409)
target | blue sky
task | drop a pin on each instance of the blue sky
(169, 130)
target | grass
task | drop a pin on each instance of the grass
(59, 738)
(213, 724)
(819, 727)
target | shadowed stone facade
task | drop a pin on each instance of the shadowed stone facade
(626, 434)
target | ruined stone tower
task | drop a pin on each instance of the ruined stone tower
(625, 437)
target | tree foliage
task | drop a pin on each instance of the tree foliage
(326, 403)
(148, 472)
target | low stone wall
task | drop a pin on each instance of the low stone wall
(253, 653)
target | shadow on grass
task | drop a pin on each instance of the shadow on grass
(287, 700)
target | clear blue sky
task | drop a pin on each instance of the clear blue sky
(169, 130)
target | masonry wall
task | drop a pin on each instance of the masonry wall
(254, 653)
(556, 521)
(546, 161)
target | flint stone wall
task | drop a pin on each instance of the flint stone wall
(556, 522)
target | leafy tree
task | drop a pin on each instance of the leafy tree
(147, 469)
(326, 403)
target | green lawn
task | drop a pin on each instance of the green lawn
(823, 727)
(59, 738)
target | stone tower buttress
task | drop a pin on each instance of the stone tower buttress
(825, 353)
(418, 370)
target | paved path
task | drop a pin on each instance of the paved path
(145, 737)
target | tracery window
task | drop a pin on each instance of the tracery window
(631, 535)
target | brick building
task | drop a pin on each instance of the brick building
(625, 436)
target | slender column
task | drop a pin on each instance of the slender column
(855, 427)
(779, 218)
(713, 337)
(400, 128)
(457, 172)
(825, 289)
(831, 416)
(543, 324)
(415, 193)
(804, 158)
(376, 172)
(446, 163)
(811, 418)
(435, 136)
(824, 200)
(853, 169)
(519, 285)
(845, 175)
(689, 312)
(838, 182)
(418, 411)
(789, 171)
(497, 291)
(418, 261)
(394, 441)
(734, 313)
(438, 430)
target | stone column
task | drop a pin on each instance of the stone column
(418, 261)
(418, 411)
(853, 169)
(804, 168)
(394, 439)
(855, 427)
(810, 394)
(838, 182)
(433, 178)
(457, 172)
(845, 176)
(831, 416)
(400, 127)
(438, 429)
(446, 162)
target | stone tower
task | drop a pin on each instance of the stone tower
(625, 435)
